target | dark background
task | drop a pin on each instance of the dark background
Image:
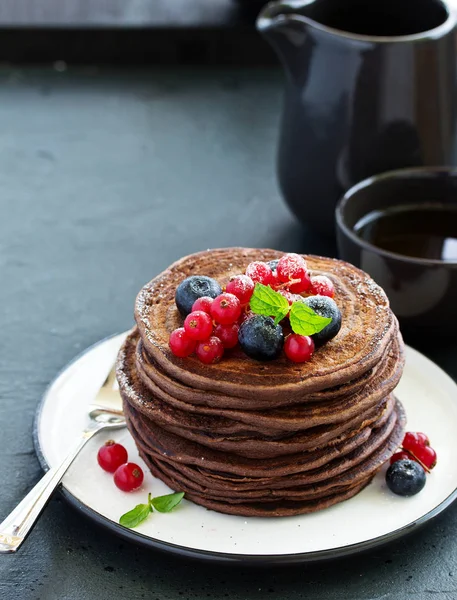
(107, 175)
(218, 32)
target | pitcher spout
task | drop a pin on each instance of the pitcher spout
(285, 26)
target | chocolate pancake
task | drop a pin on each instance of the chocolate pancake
(353, 400)
(366, 332)
(265, 439)
(235, 436)
(317, 464)
(201, 473)
(390, 366)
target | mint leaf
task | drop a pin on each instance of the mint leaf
(305, 321)
(265, 301)
(162, 504)
(135, 516)
(166, 503)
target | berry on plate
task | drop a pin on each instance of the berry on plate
(401, 455)
(418, 445)
(322, 286)
(226, 309)
(405, 477)
(242, 287)
(275, 283)
(192, 288)
(413, 439)
(111, 456)
(228, 334)
(180, 343)
(198, 325)
(260, 338)
(325, 307)
(128, 477)
(297, 287)
(298, 348)
(292, 268)
(210, 351)
(425, 455)
(203, 303)
(423, 438)
(259, 272)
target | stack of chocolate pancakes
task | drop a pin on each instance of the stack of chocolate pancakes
(265, 438)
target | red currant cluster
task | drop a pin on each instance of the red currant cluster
(113, 458)
(416, 446)
(211, 327)
(213, 324)
(290, 276)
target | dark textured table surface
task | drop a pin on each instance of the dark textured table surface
(106, 178)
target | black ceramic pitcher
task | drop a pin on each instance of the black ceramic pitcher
(371, 86)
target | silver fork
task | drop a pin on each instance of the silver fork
(103, 414)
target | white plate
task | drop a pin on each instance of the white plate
(372, 517)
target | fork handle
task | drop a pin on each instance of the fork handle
(20, 521)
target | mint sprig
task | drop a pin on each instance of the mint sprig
(265, 301)
(137, 515)
(162, 504)
(303, 319)
(166, 503)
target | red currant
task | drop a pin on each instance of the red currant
(128, 477)
(413, 440)
(242, 287)
(180, 343)
(297, 287)
(425, 455)
(203, 303)
(111, 456)
(418, 445)
(244, 315)
(298, 348)
(226, 309)
(423, 439)
(259, 272)
(228, 334)
(198, 325)
(274, 282)
(322, 286)
(210, 351)
(402, 455)
(292, 268)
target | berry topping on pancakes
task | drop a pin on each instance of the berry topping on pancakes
(277, 291)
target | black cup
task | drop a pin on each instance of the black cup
(422, 292)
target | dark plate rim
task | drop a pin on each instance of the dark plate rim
(208, 555)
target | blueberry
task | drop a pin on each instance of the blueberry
(192, 288)
(260, 338)
(405, 477)
(325, 307)
(273, 264)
